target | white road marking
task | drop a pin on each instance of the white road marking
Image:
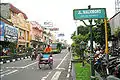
(61, 68)
(62, 61)
(23, 66)
(30, 64)
(43, 79)
(68, 75)
(4, 71)
(8, 73)
(56, 75)
(68, 70)
(14, 67)
(46, 76)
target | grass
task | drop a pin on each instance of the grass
(82, 73)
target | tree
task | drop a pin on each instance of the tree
(82, 30)
(99, 32)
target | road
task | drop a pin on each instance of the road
(28, 70)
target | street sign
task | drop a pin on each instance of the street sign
(93, 13)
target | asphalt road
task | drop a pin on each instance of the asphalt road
(28, 70)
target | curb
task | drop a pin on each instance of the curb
(73, 68)
(13, 60)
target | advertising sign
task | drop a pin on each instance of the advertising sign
(48, 24)
(61, 35)
(93, 13)
(11, 33)
(2, 31)
(54, 29)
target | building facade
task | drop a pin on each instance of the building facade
(36, 34)
(115, 25)
(19, 20)
(8, 33)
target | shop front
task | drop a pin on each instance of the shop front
(8, 37)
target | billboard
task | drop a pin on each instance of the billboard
(54, 29)
(2, 24)
(48, 24)
(11, 33)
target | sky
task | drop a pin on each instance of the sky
(60, 12)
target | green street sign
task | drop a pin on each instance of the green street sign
(93, 13)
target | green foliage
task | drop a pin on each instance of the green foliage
(82, 30)
(117, 32)
(74, 33)
(12, 47)
(99, 32)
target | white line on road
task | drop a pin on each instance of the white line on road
(46, 76)
(14, 67)
(68, 75)
(56, 75)
(62, 61)
(4, 71)
(23, 66)
(61, 68)
(30, 64)
(8, 73)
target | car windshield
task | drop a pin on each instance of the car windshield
(54, 46)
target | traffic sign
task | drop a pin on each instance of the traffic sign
(93, 13)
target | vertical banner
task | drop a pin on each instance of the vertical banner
(2, 31)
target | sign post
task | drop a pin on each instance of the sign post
(91, 13)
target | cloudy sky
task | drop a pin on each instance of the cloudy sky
(60, 12)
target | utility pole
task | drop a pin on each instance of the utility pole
(91, 46)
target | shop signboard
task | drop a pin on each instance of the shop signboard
(11, 33)
(2, 24)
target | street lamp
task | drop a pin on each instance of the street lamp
(82, 48)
